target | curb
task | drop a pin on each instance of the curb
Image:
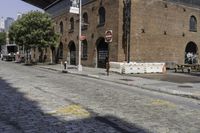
(161, 90)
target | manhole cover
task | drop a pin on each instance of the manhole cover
(41, 76)
(185, 86)
(127, 79)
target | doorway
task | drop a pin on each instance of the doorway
(72, 50)
(102, 52)
(191, 52)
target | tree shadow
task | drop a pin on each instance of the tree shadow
(18, 114)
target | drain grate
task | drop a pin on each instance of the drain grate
(127, 79)
(185, 86)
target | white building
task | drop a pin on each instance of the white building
(2, 24)
(8, 23)
(19, 15)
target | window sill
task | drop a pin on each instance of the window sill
(84, 58)
(71, 30)
(193, 30)
(84, 28)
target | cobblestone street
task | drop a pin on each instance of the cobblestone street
(34, 100)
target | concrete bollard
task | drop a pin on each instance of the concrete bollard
(65, 67)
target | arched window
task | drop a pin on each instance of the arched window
(85, 17)
(60, 51)
(72, 24)
(191, 53)
(84, 50)
(61, 27)
(102, 16)
(85, 21)
(193, 24)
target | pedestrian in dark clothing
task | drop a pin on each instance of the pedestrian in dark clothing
(107, 65)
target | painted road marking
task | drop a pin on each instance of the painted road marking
(71, 110)
(159, 102)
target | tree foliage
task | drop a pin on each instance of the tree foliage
(34, 29)
(2, 38)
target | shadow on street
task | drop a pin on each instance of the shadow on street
(21, 115)
(173, 77)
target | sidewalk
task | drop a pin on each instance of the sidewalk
(190, 90)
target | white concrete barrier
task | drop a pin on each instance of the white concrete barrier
(116, 67)
(137, 68)
(129, 68)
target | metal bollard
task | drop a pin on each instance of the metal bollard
(65, 65)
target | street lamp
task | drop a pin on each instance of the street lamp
(127, 21)
(79, 44)
(76, 9)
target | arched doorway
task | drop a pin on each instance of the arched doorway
(59, 54)
(72, 50)
(84, 50)
(191, 52)
(53, 54)
(102, 52)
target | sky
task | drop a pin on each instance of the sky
(10, 8)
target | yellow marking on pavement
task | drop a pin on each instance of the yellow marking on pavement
(159, 102)
(75, 110)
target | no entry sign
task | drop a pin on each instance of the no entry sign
(108, 36)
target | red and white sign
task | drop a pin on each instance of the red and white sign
(108, 36)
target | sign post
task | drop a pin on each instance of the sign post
(108, 39)
(76, 9)
(127, 23)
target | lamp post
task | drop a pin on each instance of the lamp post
(76, 9)
(79, 44)
(127, 21)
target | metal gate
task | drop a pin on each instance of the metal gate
(73, 58)
(102, 54)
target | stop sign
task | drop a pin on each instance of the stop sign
(108, 36)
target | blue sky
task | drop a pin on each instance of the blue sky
(10, 8)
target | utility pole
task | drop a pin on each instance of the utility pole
(127, 27)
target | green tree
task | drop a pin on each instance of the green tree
(2, 39)
(34, 30)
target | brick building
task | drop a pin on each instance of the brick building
(160, 31)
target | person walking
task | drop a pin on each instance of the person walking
(107, 65)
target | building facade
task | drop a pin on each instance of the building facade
(2, 24)
(160, 31)
(8, 23)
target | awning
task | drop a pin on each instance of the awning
(40, 3)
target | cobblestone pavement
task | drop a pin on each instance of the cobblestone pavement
(42, 101)
(180, 84)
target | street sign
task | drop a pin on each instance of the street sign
(74, 8)
(108, 36)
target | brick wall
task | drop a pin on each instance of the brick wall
(159, 30)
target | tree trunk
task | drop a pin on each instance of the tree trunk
(51, 56)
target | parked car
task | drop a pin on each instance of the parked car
(8, 52)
